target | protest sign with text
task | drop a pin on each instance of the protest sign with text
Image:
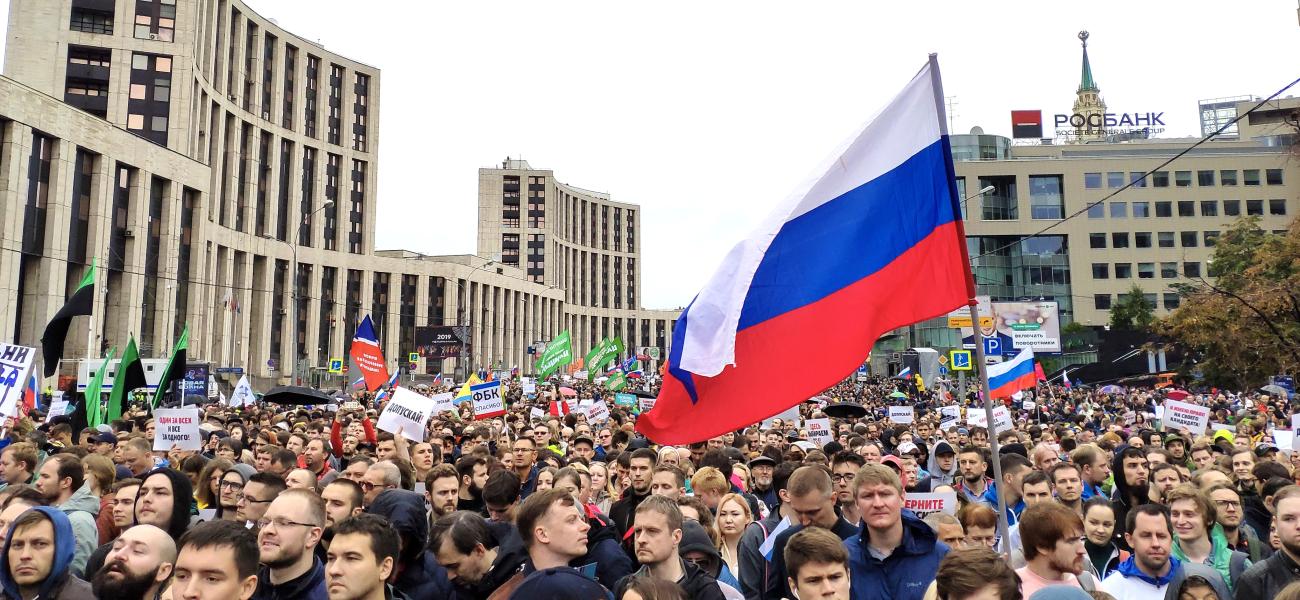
(900, 414)
(15, 367)
(925, 504)
(406, 411)
(487, 400)
(1185, 416)
(177, 427)
(819, 431)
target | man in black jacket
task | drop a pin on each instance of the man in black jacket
(479, 556)
(1266, 579)
(1130, 469)
(658, 533)
(641, 468)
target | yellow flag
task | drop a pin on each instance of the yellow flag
(464, 389)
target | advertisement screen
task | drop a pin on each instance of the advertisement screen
(1032, 325)
(437, 341)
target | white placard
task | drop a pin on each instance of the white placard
(1160, 412)
(1223, 427)
(487, 400)
(949, 416)
(1295, 422)
(529, 385)
(901, 414)
(976, 417)
(57, 408)
(646, 403)
(442, 403)
(1002, 419)
(925, 504)
(536, 413)
(1284, 440)
(407, 411)
(243, 394)
(787, 416)
(597, 412)
(177, 427)
(15, 367)
(1188, 417)
(1028, 405)
(819, 431)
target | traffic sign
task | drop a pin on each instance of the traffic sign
(961, 360)
(336, 365)
(943, 370)
(992, 346)
(943, 360)
(413, 357)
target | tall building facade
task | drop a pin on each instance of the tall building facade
(223, 171)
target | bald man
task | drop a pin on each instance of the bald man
(139, 564)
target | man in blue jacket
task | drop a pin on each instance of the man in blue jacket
(895, 555)
(418, 574)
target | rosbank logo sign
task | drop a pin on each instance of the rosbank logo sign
(1112, 120)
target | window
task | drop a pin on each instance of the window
(1097, 211)
(1118, 210)
(1164, 209)
(1192, 269)
(1142, 239)
(149, 102)
(1182, 178)
(1119, 239)
(1150, 299)
(155, 20)
(1250, 177)
(1096, 240)
(1046, 200)
(1146, 270)
(1273, 176)
(1101, 301)
(1255, 207)
(1141, 210)
(1160, 179)
(91, 21)
(1186, 208)
(1188, 239)
(1115, 179)
(1171, 300)
(1228, 177)
(1000, 204)
(1123, 270)
(1165, 239)
(1231, 208)
(1277, 206)
(1168, 270)
(1137, 180)
(1205, 178)
(1092, 181)
(1209, 208)
(1100, 271)
(1211, 238)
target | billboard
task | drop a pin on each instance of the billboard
(1032, 325)
(437, 341)
(195, 380)
(1027, 124)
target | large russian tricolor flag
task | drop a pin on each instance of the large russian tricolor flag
(873, 244)
(367, 355)
(1017, 374)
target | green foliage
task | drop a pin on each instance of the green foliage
(1132, 311)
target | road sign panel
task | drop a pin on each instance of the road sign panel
(992, 346)
(943, 360)
(943, 370)
(961, 360)
(336, 365)
(413, 357)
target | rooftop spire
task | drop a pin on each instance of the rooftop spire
(1086, 82)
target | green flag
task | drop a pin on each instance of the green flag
(130, 375)
(600, 356)
(593, 355)
(175, 369)
(56, 331)
(616, 382)
(94, 393)
(557, 354)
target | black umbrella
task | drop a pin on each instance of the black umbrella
(296, 395)
(845, 410)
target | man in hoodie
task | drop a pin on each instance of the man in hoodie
(553, 529)
(895, 555)
(287, 536)
(657, 527)
(1266, 578)
(163, 501)
(418, 575)
(479, 556)
(1130, 469)
(62, 479)
(38, 558)
(139, 564)
(942, 466)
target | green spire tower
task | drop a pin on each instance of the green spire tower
(1089, 108)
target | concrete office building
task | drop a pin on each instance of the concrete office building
(1159, 232)
(223, 172)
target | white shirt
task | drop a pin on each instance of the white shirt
(1131, 588)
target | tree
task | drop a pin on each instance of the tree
(1244, 326)
(1132, 311)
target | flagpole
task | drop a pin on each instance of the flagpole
(937, 86)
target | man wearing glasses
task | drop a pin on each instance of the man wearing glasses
(525, 453)
(286, 541)
(259, 491)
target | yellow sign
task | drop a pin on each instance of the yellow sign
(961, 360)
(413, 357)
(957, 322)
(336, 366)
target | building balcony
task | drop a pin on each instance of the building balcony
(96, 105)
(94, 73)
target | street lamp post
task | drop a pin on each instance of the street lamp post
(293, 271)
(460, 318)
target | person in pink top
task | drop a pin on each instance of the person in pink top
(1052, 536)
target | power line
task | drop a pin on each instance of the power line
(1132, 182)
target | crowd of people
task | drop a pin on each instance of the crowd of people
(1102, 500)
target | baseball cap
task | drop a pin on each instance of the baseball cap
(559, 583)
(104, 438)
(585, 438)
(907, 447)
(805, 446)
(893, 461)
(1264, 448)
(762, 460)
(963, 431)
(942, 448)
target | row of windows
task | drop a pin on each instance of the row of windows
(1185, 208)
(1171, 300)
(1142, 239)
(1146, 270)
(1203, 178)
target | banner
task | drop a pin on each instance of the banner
(528, 385)
(976, 417)
(243, 394)
(600, 356)
(616, 382)
(597, 412)
(1002, 420)
(926, 504)
(1032, 325)
(487, 400)
(819, 431)
(1188, 417)
(57, 408)
(646, 403)
(949, 416)
(406, 411)
(194, 380)
(176, 427)
(901, 414)
(558, 353)
(437, 341)
(624, 400)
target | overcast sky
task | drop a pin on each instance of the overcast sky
(708, 113)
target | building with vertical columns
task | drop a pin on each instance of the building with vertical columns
(222, 171)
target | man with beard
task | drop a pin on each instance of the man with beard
(217, 561)
(1265, 579)
(641, 468)
(525, 451)
(479, 556)
(342, 499)
(286, 540)
(1163, 477)
(62, 480)
(974, 482)
(318, 460)
(139, 564)
(844, 465)
(658, 531)
(1227, 504)
(1068, 486)
(163, 500)
(37, 556)
(473, 473)
(761, 470)
(443, 489)
(1051, 535)
(1130, 468)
